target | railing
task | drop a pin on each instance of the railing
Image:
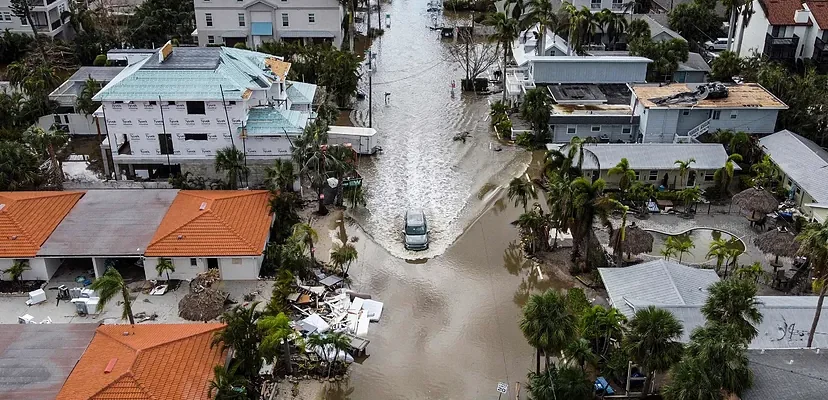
(56, 24)
(777, 48)
(819, 44)
(693, 134)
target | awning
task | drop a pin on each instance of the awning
(307, 34)
(262, 29)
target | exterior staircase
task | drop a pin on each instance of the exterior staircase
(694, 133)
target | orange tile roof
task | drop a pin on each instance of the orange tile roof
(28, 218)
(231, 223)
(154, 361)
(278, 67)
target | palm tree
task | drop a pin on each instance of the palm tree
(536, 109)
(17, 269)
(506, 31)
(47, 143)
(277, 333)
(737, 141)
(719, 249)
(733, 302)
(668, 251)
(652, 341)
(724, 175)
(84, 103)
(243, 336)
(534, 225)
(548, 325)
(520, 191)
(340, 344)
(692, 379)
(280, 176)
(725, 354)
(19, 166)
(306, 236)
(683, 167)
(232, 161)
(814, 245)
(638, 29)
(602, 326)
(681, 244)
(589, 203)
(581, 26)
(343, 256)
(546, 17)
(627, 174)
(689, 196)
(109, 285)
(542, 385)
(226, 385)
(559, 200)
(580, 351)
(165, 265)
(750, 273)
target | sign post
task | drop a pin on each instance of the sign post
(502, 387)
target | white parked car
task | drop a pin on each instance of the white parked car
(716, 45)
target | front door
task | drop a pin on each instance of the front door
(691, 179)
(212, 263)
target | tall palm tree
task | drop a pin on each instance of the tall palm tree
(243, 336)
(602, 326)
(226, 385)
(652, 341)
(814, 245)
(47, 143)
(559, 200)
(520, 191)
(547, 19)
(589, 203)
(306, 236)
(280, 175)
(17, 270)
(534, 225)
(232, 161)
(109, 285)
(343, 256)
(627, 174)
(164, 265)
(506, 31)
(637, 29)
(582, 26)
(689, 196)
(681, 244)
(580, 351)
(724, 175)
(340, 344)
(693, 379)
(733, 302)
(684, 167)
(19, 166)
(548, 325)
(277, 333)
(719, 249)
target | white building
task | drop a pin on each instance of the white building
(46, 15)
(256, 21)
(786, 30)
(172, 111)
(681, 113)
(67, 117)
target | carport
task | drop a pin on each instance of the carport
(109, 224)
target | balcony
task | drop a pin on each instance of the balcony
(820, 56)
(781, 48)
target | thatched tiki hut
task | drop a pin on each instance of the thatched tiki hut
(635, 241)
(780, 242)
(755, 200)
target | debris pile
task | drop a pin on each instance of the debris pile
(202, 306)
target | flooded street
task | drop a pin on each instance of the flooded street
(421, 166)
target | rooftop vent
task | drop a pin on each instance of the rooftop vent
(202, 206)
(2, 206)
(13, 237)
(111, 363)
(180, 237)
(802, 16)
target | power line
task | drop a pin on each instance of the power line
(415, 75)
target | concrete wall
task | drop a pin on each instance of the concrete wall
(560, 133)
(77, 124)
(753, 39)
(184, 270)
(207, 169)
(240, 268)
(41, 269)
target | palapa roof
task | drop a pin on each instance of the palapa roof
(778, 242)
(636, 240)
(755, 200)
(153, 361)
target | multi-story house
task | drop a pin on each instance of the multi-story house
(67, 117)
(46, 15)
(681, 113)
(786, 30)
(173, 111)
(253, 22)
(598, 5)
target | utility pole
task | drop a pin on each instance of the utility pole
(370, 72)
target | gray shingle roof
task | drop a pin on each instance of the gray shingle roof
(661, 156)
(785, 322)
(658, 282)
(801, 159)
(788, 375)
(100, 74)
(695, 62)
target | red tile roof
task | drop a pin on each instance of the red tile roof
(153, 361)
(819, 9)
(213, 223)
(28, 218)
(781, 12)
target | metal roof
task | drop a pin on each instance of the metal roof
(35, 359)
(787, 375)
(801, 159)
(100, 74)
(111, 222)
(657, 156)
(695, 62)
(785, 322)
(301, 92)
(658, 282)
(656, 28)
(192, 73)
(274, 121)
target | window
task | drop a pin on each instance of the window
(152, 103)
(637, 175)
(708, 176)
(5, 16)
(211, 39)
(231, 102)
(571, 129)
(24, 22)
(311, 18)
(596, 128)
(237, 261)
(595, 4)
(57, 118)
(209, 18)
(715, 114)
(170, 103)
(117, 102)
(617, 4)
(285, 20)
(241, 19)
(166, 143)
(653, 176)
(195, 107)
(195, 136)
(685, 112)
(734, 114)
(61, 9)
(193, 262)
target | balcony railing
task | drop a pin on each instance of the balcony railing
(781, 48)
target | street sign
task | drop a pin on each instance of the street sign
(502, 387)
